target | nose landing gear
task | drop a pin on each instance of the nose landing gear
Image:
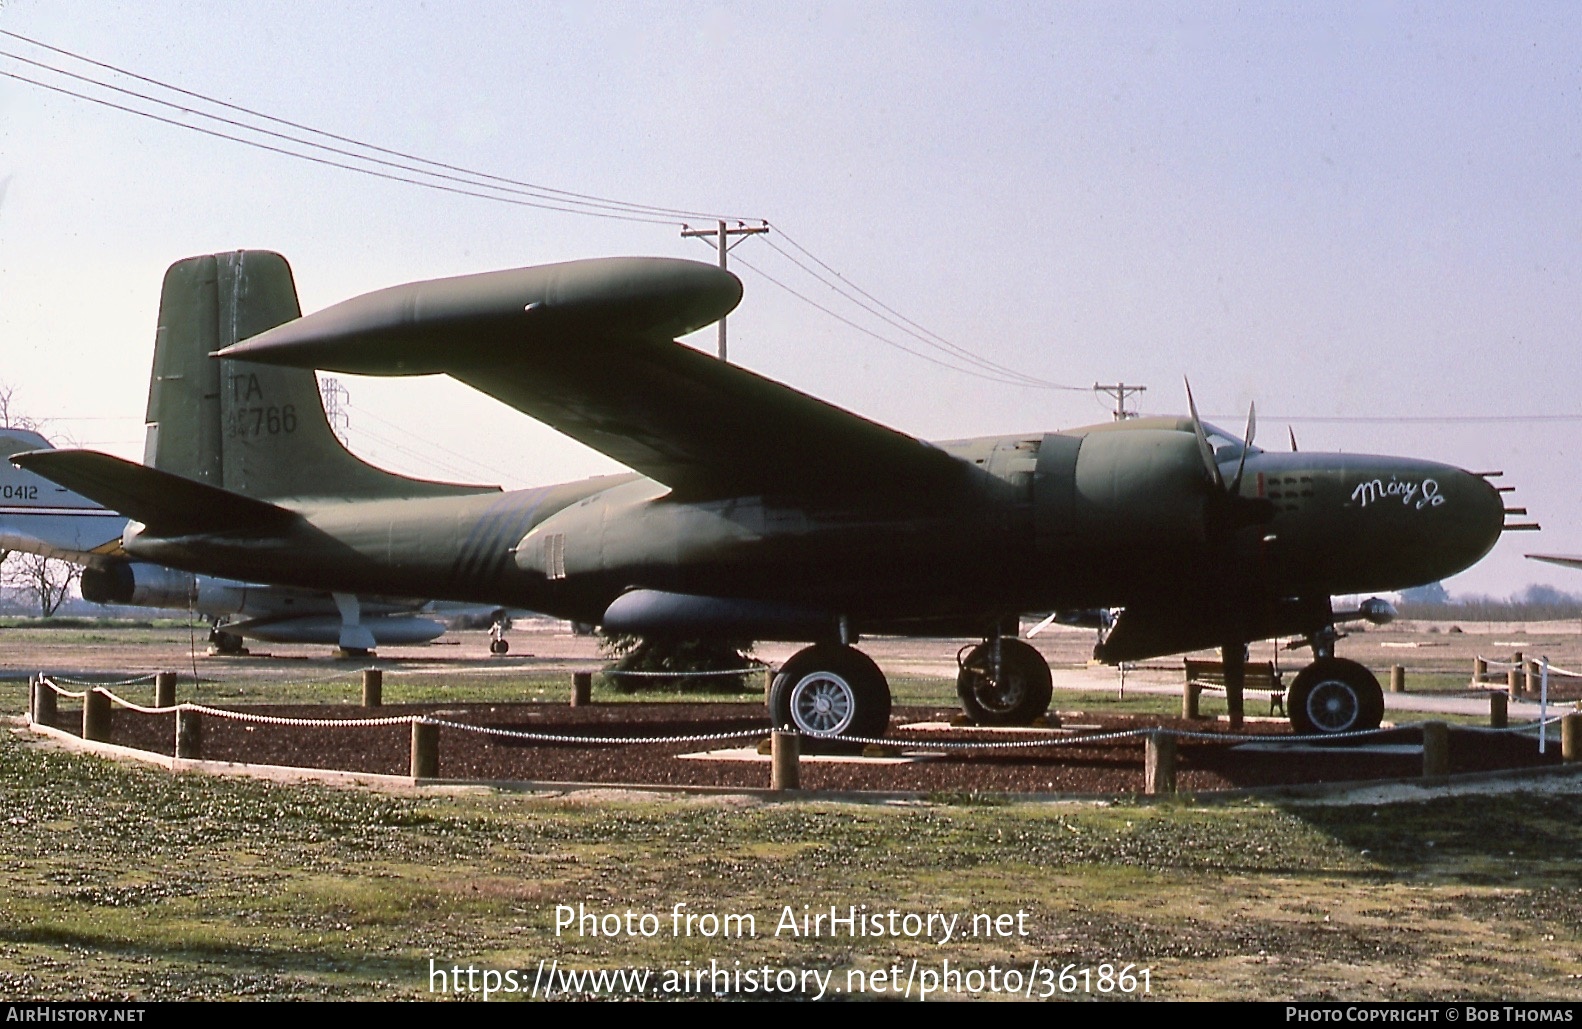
(1334, 695)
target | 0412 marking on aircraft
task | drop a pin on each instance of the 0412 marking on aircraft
(754, 510)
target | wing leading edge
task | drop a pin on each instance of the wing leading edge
(587, 347)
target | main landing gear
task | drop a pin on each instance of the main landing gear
(1003, 682)
(225, 644)
(832, 689)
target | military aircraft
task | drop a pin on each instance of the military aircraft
(39, 517)
(753, 510)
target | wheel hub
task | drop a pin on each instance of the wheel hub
(823, 704)
(1333, 706)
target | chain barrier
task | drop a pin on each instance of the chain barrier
(751, 670)
(601, 740)
(139, 707)
(68, 694)
(90, 683)
(1553, 669)
(316, 723)
(890, 742)
(338, 677)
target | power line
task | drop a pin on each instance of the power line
(486, 186)
(325, 161)
(567, 195)
(878, 309)
(1427, 419)
(885, 339)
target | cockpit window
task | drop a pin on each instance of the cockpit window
(1226, 447)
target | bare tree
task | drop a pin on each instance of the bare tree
(11, 416)
(45, 581)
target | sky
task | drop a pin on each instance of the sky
(1365, 217)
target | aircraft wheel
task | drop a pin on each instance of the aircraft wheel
(831, 690)
(499, 646)
(1335, 695)
(1022, 692)
(225, 642)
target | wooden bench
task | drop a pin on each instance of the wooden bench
(1261, 676)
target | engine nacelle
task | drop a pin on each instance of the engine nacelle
(1110, 490)
(141, 584)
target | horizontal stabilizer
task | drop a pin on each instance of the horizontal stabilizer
(167, 504)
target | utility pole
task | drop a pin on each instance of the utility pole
(725, 246)
(1120, 391)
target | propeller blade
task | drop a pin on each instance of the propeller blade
(1252, 426)
(1202, 440)
(1293, 438)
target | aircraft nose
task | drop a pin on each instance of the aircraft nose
(1444, 519)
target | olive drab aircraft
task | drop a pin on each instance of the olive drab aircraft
(39, 517)
(756, 511)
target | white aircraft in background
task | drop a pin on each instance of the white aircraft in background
(39, 517)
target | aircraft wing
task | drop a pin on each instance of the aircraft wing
(1569, 561)
(587, 347)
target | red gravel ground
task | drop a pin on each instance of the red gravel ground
(1101, 767)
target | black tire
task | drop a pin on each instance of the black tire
(225, 642)
(1333, 695)
(499, 646)
(830, 690)
(1021, 695)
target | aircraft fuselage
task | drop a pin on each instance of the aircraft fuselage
(1090, 518)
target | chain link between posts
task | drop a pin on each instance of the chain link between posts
(1083, 739)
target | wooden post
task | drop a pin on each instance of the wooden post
(425, 750)
(373, 687)
(164, 689)
(1571, 737)
(1189, 698)
(1436, 749)
(43, 703)
(1533, 674)
(1397, 678)
(1497, 706)
(1513, 682)
(189, 734)
(1159, 763)
(1480, 671)
(581, 689)
(96, 715)
(785, 747)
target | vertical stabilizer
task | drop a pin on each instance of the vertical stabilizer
(253, 429)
